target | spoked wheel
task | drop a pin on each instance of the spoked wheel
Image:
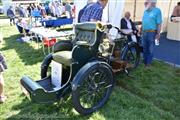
(92, 87)
(131, 54)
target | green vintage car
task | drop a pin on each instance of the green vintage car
(83, 67)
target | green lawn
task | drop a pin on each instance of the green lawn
(149, 95)
(3, 16)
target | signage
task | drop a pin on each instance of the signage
(56, 74)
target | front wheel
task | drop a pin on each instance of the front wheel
(91, 87)
(131, 54)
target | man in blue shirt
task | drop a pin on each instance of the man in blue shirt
(94, 12)
(151, 26)
(89, 2)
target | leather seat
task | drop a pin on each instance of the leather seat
(63, 57)
(85, 34)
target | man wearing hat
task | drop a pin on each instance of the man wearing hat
(151, 27)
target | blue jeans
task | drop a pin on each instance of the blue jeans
(148, 41)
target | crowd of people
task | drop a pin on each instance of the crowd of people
(54, 9)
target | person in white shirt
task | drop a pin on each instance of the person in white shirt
(126, 23)
(52, 9)
(58, 10)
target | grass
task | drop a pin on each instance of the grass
(3, 16)
(148, 95)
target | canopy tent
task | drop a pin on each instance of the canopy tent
(115, 9)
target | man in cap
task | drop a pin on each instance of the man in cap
(94, 11)
(151, 26)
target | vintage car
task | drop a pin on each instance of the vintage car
(84, 67)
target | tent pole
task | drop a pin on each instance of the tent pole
(169, 9)
(134, 17)
(108, 12)
(168, 12)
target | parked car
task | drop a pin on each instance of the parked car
(1, 10)
(85, 68)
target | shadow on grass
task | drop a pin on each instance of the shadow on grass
(27, 53)
(29, 110)
(159, 86)
(122, 105)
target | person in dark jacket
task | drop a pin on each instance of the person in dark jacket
(11, 15)
(30, 8)
(21, 11)
(126, 23)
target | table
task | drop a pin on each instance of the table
(57, 22)
(41, 32)
(173, 31)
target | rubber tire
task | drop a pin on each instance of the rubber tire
(125, 50)
(84, 71)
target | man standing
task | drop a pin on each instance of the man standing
(94, 12)
(83, 9)
(68, 9)
(21, 11)
(151, 26)
(11, 15)
(52, 9)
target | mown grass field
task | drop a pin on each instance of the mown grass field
(149, 95)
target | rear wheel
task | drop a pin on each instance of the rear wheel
(131, 54)
(92, 87)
